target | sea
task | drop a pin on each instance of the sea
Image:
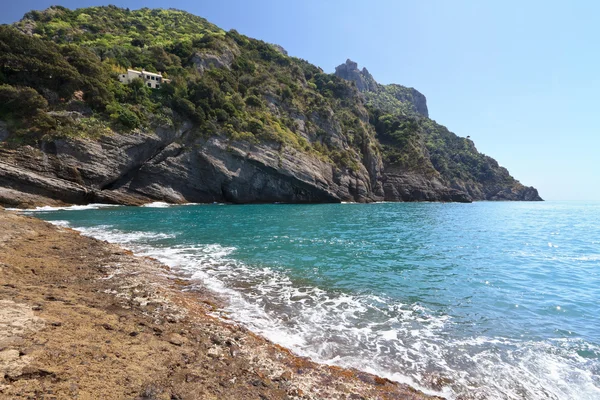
(489, 300)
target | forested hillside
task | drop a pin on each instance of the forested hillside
(240, 120)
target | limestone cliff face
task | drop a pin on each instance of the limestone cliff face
(363, 79)
(176, 166)
(172, 166)
(402, 185)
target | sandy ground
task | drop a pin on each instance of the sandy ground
(84, 319)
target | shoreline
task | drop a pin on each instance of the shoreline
(82, 317)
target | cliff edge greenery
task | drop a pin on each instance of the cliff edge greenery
(58, 80)
(69, 61)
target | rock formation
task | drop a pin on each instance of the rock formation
(363, 79)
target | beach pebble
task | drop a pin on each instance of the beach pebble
(286, 376)
(214, 352)
(176, 339)
(107, 327)
(234, 350)
(157, 331)
(216, 339)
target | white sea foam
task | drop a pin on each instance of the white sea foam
(106, 232)
(93, 206)
(157, 204)
(403, 342)
(63, 224)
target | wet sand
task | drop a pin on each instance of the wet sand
(85, 319)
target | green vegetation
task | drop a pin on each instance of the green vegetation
(393, 99)
(402, 141)
(63, 62)
(58, 78)
(457, 159)
(107, 27)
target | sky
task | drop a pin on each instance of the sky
(521, 78)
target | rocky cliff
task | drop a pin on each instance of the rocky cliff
(363, 80)
(424, 161)
(386, 97)
(240, 121)
(163, 166)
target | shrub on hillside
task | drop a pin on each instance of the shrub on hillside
(20, 101)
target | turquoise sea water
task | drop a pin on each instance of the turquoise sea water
(473, 301)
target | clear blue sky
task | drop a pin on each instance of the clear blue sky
(522, 78)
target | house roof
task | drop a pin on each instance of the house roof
(144, 72)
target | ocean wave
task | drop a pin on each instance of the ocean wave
(61, 223)
(92, 206)
(106, 232)
(157, 204)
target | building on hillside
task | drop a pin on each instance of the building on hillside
(151, 79)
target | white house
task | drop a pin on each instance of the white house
(151, 79)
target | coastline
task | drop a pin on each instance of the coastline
(82, 317)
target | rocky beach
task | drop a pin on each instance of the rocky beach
(84, 319)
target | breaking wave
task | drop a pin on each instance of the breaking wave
(92, 206)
